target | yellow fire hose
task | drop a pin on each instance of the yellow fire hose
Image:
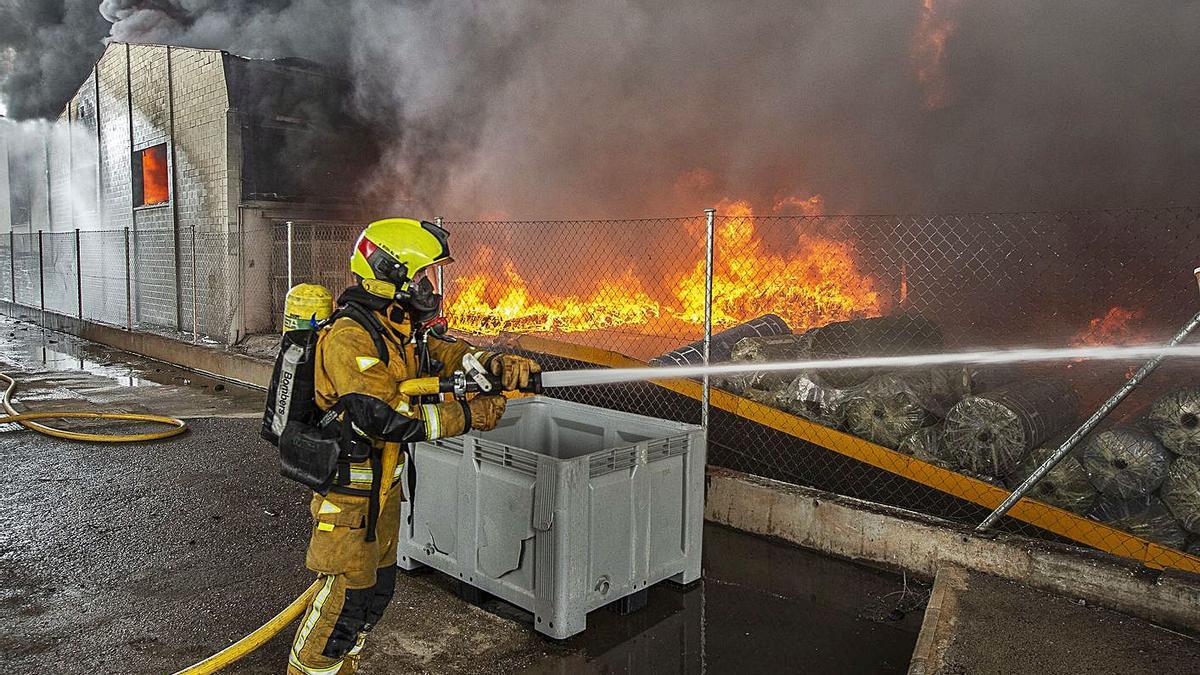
(234, 651)
(254, 640)
(26, 420)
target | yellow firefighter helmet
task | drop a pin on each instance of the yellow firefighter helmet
(396, 250)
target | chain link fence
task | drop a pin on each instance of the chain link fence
(950, 442)
(151, 281)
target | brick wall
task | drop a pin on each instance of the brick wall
(206, 195)
(61, 217)
(115, 177)
(153, 236)
(136, 97)
(84, 156)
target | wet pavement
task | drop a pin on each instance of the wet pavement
(145, 558)
(995, 626)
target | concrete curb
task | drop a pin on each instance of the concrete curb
(209, 360)
(921, 545)
(938, 624)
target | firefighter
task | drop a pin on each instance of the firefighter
(356, 525)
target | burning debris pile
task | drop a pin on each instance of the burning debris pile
(995, 425)
(808, 279)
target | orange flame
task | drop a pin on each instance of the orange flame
(1114, 328)
(816, 283)
(155, 189)
(489, 306)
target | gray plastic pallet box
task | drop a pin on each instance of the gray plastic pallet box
(562, 509)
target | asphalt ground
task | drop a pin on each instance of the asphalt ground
(145, 558)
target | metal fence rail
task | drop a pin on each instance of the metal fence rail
(732, 285)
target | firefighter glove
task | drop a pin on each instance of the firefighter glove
(486, 411)
(513, 370)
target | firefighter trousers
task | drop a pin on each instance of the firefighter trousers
(358, 579)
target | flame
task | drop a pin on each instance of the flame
(929, 53)
(1114, 328)
(155, 188)
(816, 282)
(483, 307)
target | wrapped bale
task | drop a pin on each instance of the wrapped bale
(768, 349)
(1181, 492)
(722, 344)
(1066, 486)
(1144, 517)
(897, 335)
(926, 444)
(1194, 548)
(1125, 462)
(992, 433)
(1175, 420)
(888, 410)
(763, 396)
(810, 397)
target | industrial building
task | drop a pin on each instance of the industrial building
(182, 147)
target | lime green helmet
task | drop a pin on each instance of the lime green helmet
(396, 250)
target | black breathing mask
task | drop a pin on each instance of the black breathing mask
(422, 305)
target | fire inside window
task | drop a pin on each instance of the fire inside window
(150, 183)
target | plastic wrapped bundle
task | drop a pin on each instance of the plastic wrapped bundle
(883, 336)
(1066, 486)
(926, 445)
(1175, 419)
(1181, 492)
(1144, 517)
(886, 411)
(992, 433)
(763, 396)
(1194, 548)
(722, 344)
(768, 349)
(810, 397)
(1125, 462)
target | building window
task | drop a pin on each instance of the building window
(150, 183)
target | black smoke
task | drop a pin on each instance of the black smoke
(636, 107)
(46, 49)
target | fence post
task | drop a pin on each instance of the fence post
(41, 279)
(78, 275)
(12, 266)
(710, 216)
(441, 279)
(128, 287)
(195, 295)
(290, 227)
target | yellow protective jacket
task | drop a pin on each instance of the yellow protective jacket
(348, 367)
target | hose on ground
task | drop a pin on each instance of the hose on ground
(254, 640)
(234, 651)
(26, 420)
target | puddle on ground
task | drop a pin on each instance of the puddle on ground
(59, 366)
(762, 607)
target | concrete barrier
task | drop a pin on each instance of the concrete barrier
(919, 544)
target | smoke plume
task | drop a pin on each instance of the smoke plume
(632, 107)
(46, 49)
